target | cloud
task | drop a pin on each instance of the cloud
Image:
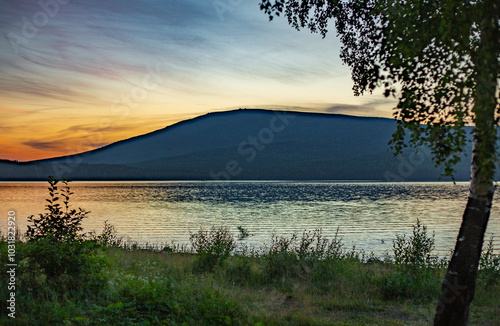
(343, 108)
(325, 108)
(372, 108)
(72, 67)
(78, 138)
(45, 145)
(91, 43)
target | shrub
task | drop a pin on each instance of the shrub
(108, 237)
(489, 265)
(416, 250)
(417, 275)
(212, 247)
(238, 270)
(59, 257)
(293, 256)
(281, 258)
(423, 286)
(60, 223)
(54, 243)
(314, 246)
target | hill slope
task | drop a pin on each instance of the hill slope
(247, 144)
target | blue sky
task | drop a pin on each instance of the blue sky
(76, 75)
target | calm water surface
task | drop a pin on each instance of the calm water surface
(368, 215)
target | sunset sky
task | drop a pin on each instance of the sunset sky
(80, 74)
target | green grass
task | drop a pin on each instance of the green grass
(65, 277)
(146, 287)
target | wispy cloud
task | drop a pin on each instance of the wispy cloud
(82, 56)
(112, 41)
(42, 145)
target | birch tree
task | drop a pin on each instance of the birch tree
(440, 60)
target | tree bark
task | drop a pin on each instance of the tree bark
(459, 284)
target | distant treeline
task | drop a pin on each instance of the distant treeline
(214, 166)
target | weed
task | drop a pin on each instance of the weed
(281, 258)
(489, 265)
(299, 257)
(148, 287)
(311, 280)
(417, 268)
(212, 247)
(238, 269)
(416, 250)
(55, 245)
(60, 223)
(422, 286)
(108, 237)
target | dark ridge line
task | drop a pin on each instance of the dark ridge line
(201, 117)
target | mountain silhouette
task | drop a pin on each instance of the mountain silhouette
(248, 144)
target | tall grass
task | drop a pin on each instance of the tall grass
(306, 279)
(297, 280)
(212, 247)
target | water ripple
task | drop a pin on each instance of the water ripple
(368, 215)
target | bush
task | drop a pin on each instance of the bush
(423, 286)
(148, 302)
(238, 270)
(55, 244)
(281, 259)
(489, 265)
(313, 246)
(59, 257)
(416, 250)
(108, 237)
(293, 256)
(417, 274)
(212, 247)
(60, 223)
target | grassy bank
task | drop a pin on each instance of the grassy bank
(63, 276)
(300, 280)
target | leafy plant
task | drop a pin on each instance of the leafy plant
(415, 251)
(293, 255)
(417, 274)
(313, 245)
(423, 286)
(489, 265)
(439, 59)
(60, 223)
(55, 244)
(281, 259)
(212, 246)
(108, 237)
(238, 270)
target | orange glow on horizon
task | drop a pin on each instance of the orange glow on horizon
(66, 90)
(28, 147)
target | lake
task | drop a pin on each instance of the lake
(367, 215)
